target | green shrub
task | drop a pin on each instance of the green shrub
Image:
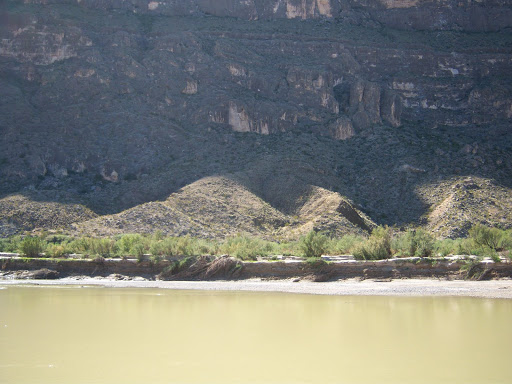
(4, 243)
(182, 246)
(185, 246)
(377, 247)
(506, 240)
(55, 250)
(80, 245)
(446, 247)
(315, 262)
(129, 245)
(165, 247)
(57, 239)
(314, 244)
(246, 247)
(11, 244)
(31, 246)
(154, 259)
(157, 236)
(483, 236)
(344, 244)
(103, 247)
(138, 251)
(205, 247)
(485, 251)
(417, 243)
(286, 248)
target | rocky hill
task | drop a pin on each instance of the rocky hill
(270, 117)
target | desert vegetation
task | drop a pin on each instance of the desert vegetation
(382, 243)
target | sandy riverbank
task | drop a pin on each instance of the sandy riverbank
(501, 289)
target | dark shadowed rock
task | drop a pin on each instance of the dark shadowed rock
(126, 108)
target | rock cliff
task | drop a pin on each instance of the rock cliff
(112, 103)
(462, 15)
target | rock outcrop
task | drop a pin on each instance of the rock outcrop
(466, 15)
(111, 103)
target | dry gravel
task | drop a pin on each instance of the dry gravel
(501, 289)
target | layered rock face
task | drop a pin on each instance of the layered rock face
(94, 93)
(467, 15)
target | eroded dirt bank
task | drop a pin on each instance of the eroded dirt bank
(206, 268)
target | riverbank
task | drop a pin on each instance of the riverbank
(211, 268)
(394, 277)
(495, 289)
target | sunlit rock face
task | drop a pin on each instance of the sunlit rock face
(463, 15)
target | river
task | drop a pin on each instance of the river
(74, 334)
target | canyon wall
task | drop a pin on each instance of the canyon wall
(96, 93)
(464, 15)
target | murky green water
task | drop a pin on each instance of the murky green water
(98, 335)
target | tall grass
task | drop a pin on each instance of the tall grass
(381, 244)
(343, 245)
(246, 247)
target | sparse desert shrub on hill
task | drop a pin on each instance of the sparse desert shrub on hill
(31, 246)
(377, 247)
(314, 244)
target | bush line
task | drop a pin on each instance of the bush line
(382, 243)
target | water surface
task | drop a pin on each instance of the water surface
(104, 335)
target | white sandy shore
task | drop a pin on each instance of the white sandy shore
(501, 289)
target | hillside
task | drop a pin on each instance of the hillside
(270, 117)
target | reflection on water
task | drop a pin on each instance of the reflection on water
(94, 335)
